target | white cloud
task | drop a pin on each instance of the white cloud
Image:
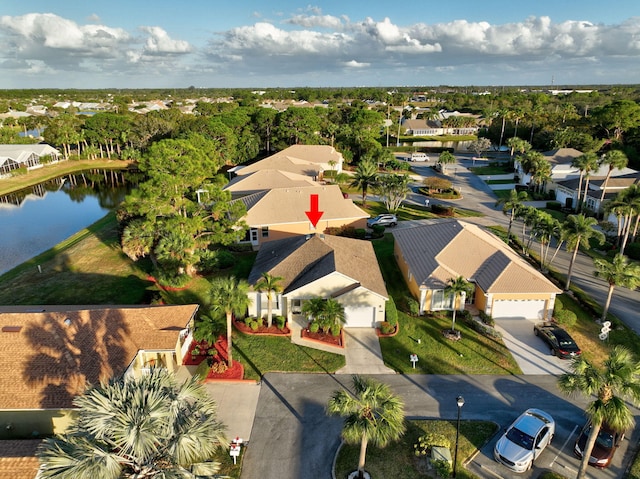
(355, 64)
(160, 42)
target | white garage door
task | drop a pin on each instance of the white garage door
(518, 309)
(359, 317)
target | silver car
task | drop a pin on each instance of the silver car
(384, 220)
(525, 440)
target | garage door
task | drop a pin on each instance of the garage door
(518, 309)
(359, 317)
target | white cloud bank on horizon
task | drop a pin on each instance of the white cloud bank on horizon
(318, 50)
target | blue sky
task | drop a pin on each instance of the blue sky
(259, 44)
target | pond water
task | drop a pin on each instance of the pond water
(37, 218)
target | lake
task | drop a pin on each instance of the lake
(37, 218)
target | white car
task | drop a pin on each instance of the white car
(525, 440)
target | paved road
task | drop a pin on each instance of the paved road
(293, 438)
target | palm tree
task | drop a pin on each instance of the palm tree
(271, 285)
(612, 384)
(587, 164)
(457, 287)
(151, 426)
(446, 158)
(332, 316)
(373, 415)
(627, 207)
(231, 297)
(577, 231)
(614, 159)
(618, 272)
(312, 308)
(366, 176)
(512, 204)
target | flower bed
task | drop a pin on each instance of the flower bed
(324, 338)
(262, 330)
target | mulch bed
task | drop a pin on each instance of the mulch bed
(235, 372)
(273, 330)
(329, 339)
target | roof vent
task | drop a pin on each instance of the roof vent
(11, 329)
(67, 322)
(307, 237)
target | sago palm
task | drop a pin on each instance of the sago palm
(374, 415)
(612, 384)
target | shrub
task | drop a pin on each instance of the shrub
(386, 327)
(391, 312)
(633, 251)
(224, 259)
(557, 306)
(255, 325)
(172, 280)
(487, 319)
(314, 327)
(335, 329)
(361, 233)
(19, 171)
(378, 231)
(436, 183)
(566, 317)
(429, 440)
(483, 328)
(443, 468)
(219, 367)
(346, 231)
(554, 205)
(414, 307)
(442, 210)
(279, 321)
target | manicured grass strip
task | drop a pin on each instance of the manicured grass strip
(503, 169)
(263, 354)
(398, 459)
(499, 182)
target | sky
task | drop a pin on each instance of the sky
(283, 43)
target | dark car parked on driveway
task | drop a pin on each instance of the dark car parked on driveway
(605, 447)
(559, 341)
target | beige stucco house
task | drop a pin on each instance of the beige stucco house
(324, 266)
(281, 212)
(51, 355)
(506, 286)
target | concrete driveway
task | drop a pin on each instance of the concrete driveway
(530, 352)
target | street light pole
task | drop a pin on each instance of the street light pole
(460, 403)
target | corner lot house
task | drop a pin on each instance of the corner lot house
(321, 266)
(506, 286)
(281, 212)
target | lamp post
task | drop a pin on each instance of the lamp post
(460, 403)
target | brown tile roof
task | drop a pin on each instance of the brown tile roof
(300, 261)
(54, 354)
(445, 249)
(17, 458)
(307, 160)
(288, 205)
(562, 155)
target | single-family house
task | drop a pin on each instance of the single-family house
(52, 354)
(506, 286)
(281, 212)
(422, 127)
(326, 266)
(262, 180)
(13, 157)
(567, 191)
(307, 160)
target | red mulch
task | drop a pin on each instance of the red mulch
(273, 330)
(236, 371)
(323, 337)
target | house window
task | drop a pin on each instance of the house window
(441, 301)
(265, 231)
(296, 306)
(254, 235)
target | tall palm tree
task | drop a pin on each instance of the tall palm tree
(614, 159)
(231, 297)
(271, 285)
(512, 205)
(577, 231)
(373, 415)
(628, 202)
(152, 426)
(457, 287)
(617, 380)
(587, 164)
(545, 228)
(541, 173)
(618, 272)
(366, 176)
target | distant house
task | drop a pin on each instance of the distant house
(505, 286)
(262, 180)
(13, 157)
(281, 212)
(307, 160)
(324, 266)
(51, 355)
(422, 127)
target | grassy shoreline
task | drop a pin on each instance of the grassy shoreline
(47, 172)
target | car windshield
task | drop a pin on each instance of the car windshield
(520, 438)
(605, 440)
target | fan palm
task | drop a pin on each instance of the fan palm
(577, 230)
(512, 204)
(144, 427)
(457, 287)
(365, 177)
(373, 415)
(271, 285)
(612, 384)
(231, 297)
(618, 272)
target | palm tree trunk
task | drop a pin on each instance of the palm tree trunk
(627, 229)
(577, 207)
(573, 259)
(269, 310)
(453, 321)
(588, 447)
(363, 455)
(604, 186)
(510, 223)
(584, 194)
(605, 310)
(229, 359)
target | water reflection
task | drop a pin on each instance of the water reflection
(36, 218)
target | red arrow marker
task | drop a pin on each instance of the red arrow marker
(314, 215)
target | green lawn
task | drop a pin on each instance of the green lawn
(408, 212)
(499, 182)
(398, 459)
(473, 354)
(501, 169)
